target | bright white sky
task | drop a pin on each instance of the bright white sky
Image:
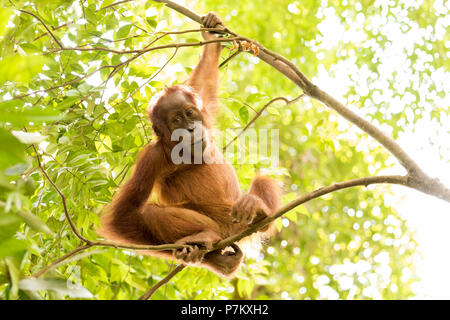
(428, 216)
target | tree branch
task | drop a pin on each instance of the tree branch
(153, 289)
(258, 114)
(45, 26)
(63, 198)
(59, 260)
(229, 58)
(114, 4)
(54, 29)
(145, 50)
(401, 180)
(68, 83)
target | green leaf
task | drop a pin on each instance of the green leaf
(11, 246)
(12, 151)
(278, 225)
(152, 22)
(61, 286)
(20, 69)
(303, 210)
(34, 222)
(106, 3)
(292, 215)
(67, 102)
(35, 115)
(90, 16)
(254, 97)
(243, 114)
(192, 40)
(29, 137)
(161, 25)
(74, 94)
(5, 13)
(8, 225)
(16, 169)
(13, 112)
(123, 32)
(14, 275)
(273, 111)
(30, 48)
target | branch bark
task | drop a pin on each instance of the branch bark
(59, 260)
(153, 289)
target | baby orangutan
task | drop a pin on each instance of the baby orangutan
(199, 204)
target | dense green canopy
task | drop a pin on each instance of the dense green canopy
(80, 115)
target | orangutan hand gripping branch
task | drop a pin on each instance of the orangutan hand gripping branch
(199, 204)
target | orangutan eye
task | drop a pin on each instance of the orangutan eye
(189, 112)
(176, 120)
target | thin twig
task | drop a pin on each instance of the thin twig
(54, 29)
(258, 114)
(63, 166)
(117, 67)
(59, 260)
(153, 289)
(141, 51)
(45, 26)
(229, 58)
(62, 196)
(166, 33)
(64, 84)
(401, 180)
(114, 4)
(139, 88)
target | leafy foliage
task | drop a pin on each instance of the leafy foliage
(84, 113)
